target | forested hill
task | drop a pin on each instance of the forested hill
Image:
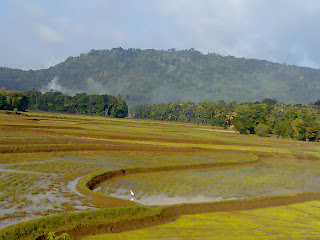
(153, 76)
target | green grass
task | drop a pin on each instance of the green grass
(64, 222)
(297, 221)
(56, 166)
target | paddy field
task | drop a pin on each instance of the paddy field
(72, 173)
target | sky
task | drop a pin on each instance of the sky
(37, 34)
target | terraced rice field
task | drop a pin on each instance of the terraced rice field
(43, 155)
(297, 221)
(269, 177)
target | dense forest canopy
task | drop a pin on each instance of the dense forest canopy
(301, 122)
(155, 76)
(94, 104)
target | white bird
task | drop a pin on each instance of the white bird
(132, 193)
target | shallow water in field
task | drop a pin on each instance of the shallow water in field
(270, 177)
(72, 186)
(161, 199)
(4, 169)
(7, 170)
(27, 195)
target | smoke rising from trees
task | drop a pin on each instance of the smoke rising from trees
(90, 86)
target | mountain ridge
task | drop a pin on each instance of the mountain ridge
(154, 76)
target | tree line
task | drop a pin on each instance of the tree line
(94, 104)
(301, 122)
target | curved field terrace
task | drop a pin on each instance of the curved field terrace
(46, 158)
(265, 178)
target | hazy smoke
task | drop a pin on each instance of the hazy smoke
(89, 86)
(93, 86)
(56, 86)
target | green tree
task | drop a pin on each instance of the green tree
(246, 120)
(297, 129)
(313, 131)
(11, 99)
(262, 130)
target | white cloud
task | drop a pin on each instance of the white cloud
(263, 29)
(248, 28)
(49, 35)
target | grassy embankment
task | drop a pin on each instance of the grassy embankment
(296, 221)
(54, 149)
(80, 223)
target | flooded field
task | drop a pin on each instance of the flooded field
(162, 199)
(269, 177)
(31, 194)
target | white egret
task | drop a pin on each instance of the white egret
(132, 193)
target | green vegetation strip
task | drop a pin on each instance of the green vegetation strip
(82, 223)
(296, 221)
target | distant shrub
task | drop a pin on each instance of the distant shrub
(262, 130)
(63, 236)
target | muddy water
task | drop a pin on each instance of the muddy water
(72, 186)
(270, 177)
(50, 199)
(4, 169)
(11, 221)
(162, 199)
